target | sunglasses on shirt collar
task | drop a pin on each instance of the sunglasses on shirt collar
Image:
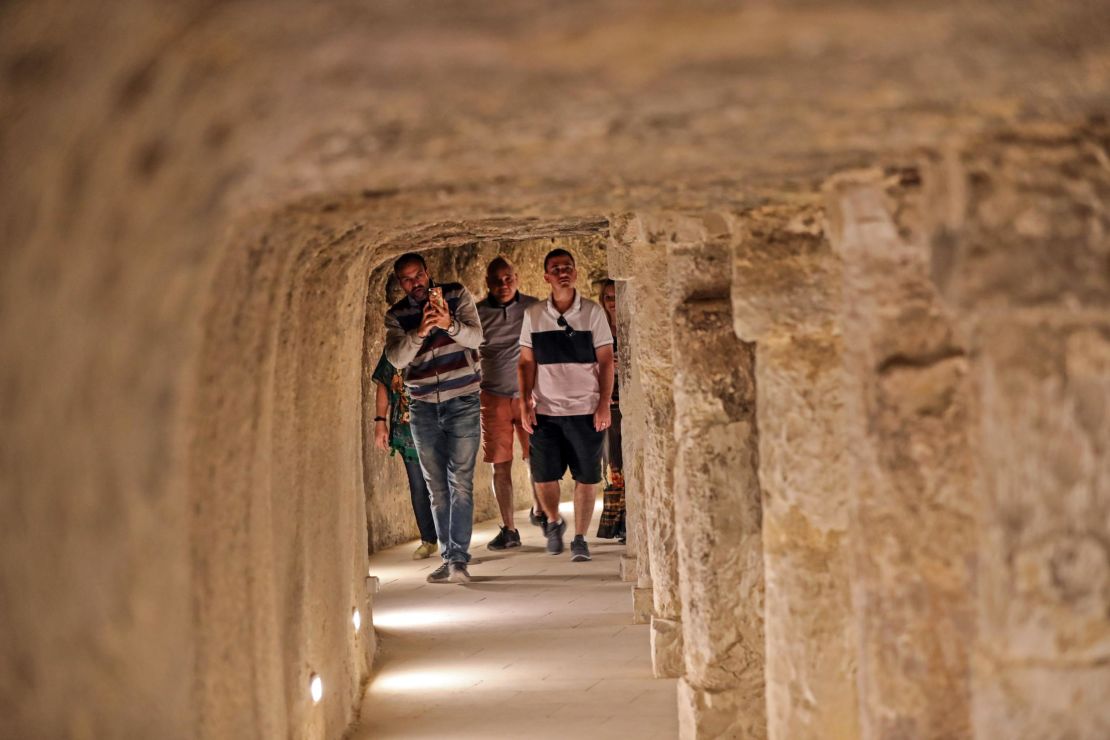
(566, 327)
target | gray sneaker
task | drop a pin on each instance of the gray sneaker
(459, 573)
(579, 550)
(440, 574)
(554, 534)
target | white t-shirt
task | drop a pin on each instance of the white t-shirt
(566, 360)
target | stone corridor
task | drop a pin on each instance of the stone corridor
(862, 255)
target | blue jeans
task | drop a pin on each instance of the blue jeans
(447, 435)
(421, 501)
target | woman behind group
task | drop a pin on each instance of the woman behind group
(612, 512)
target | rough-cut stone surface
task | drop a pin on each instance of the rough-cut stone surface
(717, 506)
(1020, 246)
(642, 605)
(651, 408)
(160, 156)
(906, 404)
(785, 297)
(632, 419)
(666, 647)
(628, 568)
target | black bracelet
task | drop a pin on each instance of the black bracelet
(379, 418)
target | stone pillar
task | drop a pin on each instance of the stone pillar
(906, 415)
(1023, 250)
(636, 256)
(786, 297)
(717, 503)
(634, 564)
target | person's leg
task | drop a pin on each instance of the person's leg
(525, 440)
(497, 447)
(585, 496)
(431, 445)
(549, 499)
(421, 501)
(461, 423)
(503, 491)
(585, 445)
(547, 462)
(614, 456)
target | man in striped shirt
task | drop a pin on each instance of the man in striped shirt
(436, 350)
(566, 385)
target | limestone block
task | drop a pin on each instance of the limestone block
(642, 604)
(666, 648)
(625, 233)
(653, 367)
(1043, 666)
(632, 411)
(784, 277)
(628, 568)
(1021, 218)
(705, 715)
(1018, 225)
(786, 297)
(906, 417)
(805, 475)
(718, 509)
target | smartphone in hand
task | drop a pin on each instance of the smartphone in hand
(435, 297)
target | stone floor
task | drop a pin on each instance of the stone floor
(536, 646)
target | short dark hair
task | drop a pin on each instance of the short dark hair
(557, 252)
(497, 263)
(408, 258)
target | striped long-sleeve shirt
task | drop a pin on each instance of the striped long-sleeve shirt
(442, 365)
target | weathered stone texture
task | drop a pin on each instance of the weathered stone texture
(650, 344)
(907, 405)
(1044, 571)
(632, 444)
(718, 516)
(1022, 250)
(785, 296)
(160, 157)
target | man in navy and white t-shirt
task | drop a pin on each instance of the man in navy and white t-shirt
(566, 384)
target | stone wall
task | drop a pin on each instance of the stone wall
(718, 511)
(906, 422)
(786, 287)
(195, 195)
(1020, 250)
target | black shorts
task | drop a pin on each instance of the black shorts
(559, 442)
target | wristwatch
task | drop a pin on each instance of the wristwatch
(380, 418)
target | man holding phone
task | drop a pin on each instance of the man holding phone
(432, 335)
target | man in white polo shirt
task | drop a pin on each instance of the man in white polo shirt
(566, 384)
